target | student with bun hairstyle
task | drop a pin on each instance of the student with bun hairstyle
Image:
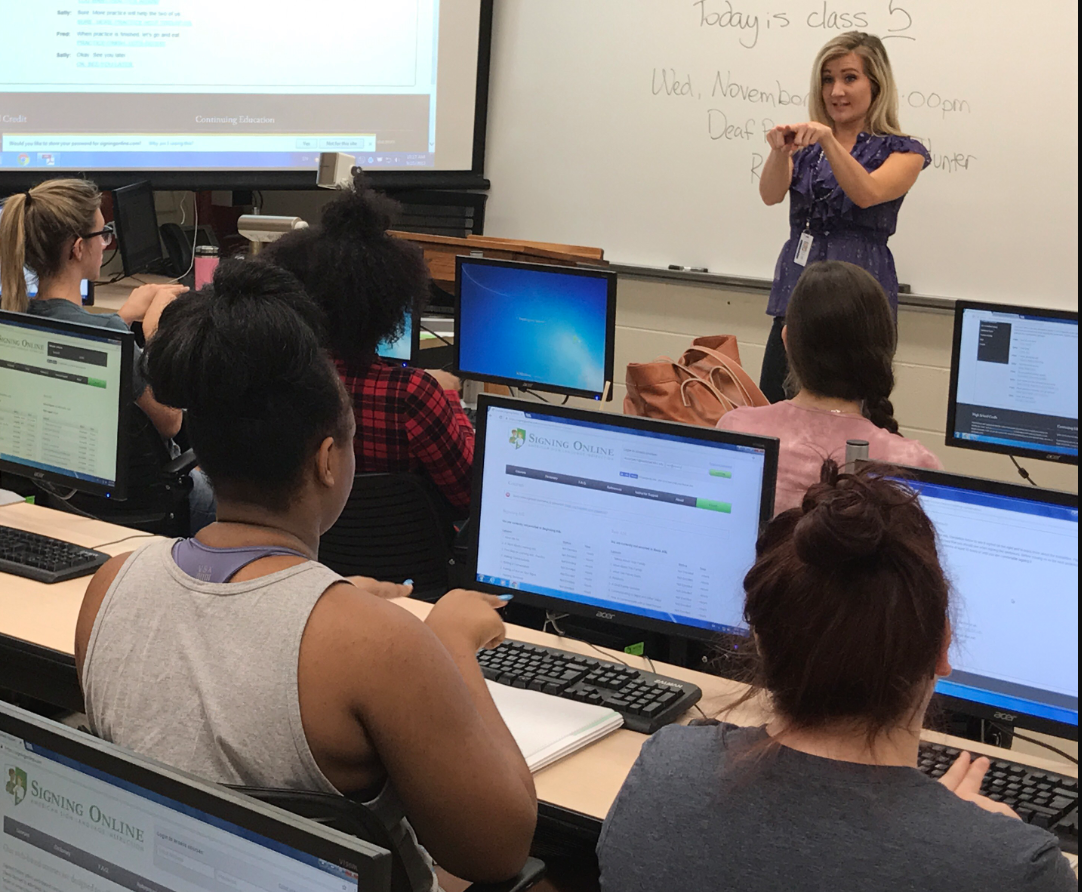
(236, 656)
(848, 609)
(840, 338)
(365, 281)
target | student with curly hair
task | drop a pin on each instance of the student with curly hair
(366, 281)
(840, 338)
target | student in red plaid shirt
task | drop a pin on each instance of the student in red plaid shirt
(365, 281)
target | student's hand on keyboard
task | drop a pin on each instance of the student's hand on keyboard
(381, 589)
(139, 302)
(964, 778)
(463, 619)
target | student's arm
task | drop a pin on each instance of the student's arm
(416, 693)
(777, 172)
(441, 439)
(893, 179)
(88, 612)
(166, 419)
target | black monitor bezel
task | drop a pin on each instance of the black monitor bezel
(133, 265)
(415, 343)
(610, 276)
(119, 489)
(12, 181)
(950, 437)
(1013, 490)
(372, 863)
(770, 446)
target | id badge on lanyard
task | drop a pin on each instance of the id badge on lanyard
(804, 244)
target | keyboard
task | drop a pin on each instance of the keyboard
(1039, 797)
(44, 559)
(646, 701)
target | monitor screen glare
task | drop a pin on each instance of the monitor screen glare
(1013, 565)
(400, 349)
(658, 526)
(528, 325)
(60, 396)
(1017, 382)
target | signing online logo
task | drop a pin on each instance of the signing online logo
(16, 784)
(518, 437)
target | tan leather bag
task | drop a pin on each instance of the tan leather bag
(700, 387)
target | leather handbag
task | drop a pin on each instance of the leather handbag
(700, 387)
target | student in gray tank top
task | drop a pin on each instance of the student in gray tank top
(240, 658)
(849, 610)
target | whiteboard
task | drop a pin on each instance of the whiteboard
(637, 126)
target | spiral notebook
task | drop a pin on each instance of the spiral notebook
(548, 728)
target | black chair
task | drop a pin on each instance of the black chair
(394, 527)
(440, 212)
(355, 819)
(158, 485)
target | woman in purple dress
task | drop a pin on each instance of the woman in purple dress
(846, 172)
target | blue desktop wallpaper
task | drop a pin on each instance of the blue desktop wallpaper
(545, 328)
(402, 348)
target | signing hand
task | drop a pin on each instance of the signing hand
(780, 139)
(382, 589)
(467, 619)
(139, 301)
(964, 778)
(810, 133)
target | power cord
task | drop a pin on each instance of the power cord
(125, 539)
(1022, 472)
(1004, 730)
(49, 489)
(552, 619)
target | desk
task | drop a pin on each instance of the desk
(37, 634)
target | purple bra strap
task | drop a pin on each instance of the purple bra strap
(221, 564)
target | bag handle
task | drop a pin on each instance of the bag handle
(736, 372)
(725, 402)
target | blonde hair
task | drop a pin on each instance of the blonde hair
(35, 226)
(882, 117)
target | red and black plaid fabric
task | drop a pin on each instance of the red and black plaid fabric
(406, 422)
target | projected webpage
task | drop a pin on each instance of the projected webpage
(1018, 381)
(659, 526)
(542, 327)
(201, 84)
(1013, 565)
(67, 826)
(60, 401)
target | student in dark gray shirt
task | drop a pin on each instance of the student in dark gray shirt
(849, 610)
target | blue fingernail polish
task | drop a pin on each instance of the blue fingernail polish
(506, 597)
(407, 582)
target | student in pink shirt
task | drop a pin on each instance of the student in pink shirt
(840, 339)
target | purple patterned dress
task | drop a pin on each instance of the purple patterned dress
(841, 230)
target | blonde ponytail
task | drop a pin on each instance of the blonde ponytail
(35, 229)
(13, 254)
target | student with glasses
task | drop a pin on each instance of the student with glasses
(57, 231)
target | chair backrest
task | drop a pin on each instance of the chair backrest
(394, 527)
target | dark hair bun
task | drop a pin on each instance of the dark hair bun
(358, 212)
(844, 519)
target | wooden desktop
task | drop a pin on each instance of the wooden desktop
(37, 632)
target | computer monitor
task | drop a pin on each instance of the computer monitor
(1014, 381)
(86, 288)
(643, 523)
(65, 394)
(1011, 555)
(404, 348)
(532, 326)
(136, 223)
(79, 813)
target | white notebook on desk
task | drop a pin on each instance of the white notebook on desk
(548, 728)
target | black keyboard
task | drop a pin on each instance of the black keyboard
(44, 559)
(645, 700)
(1039, 797)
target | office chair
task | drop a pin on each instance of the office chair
(158, 485)
(440, 212)
(355, 819)
(394, 527)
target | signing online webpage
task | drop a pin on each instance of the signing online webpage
(68, 826)
(201, 84)
(60, 401)
(1018, 381)
(1013, 567)
(656, 525)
